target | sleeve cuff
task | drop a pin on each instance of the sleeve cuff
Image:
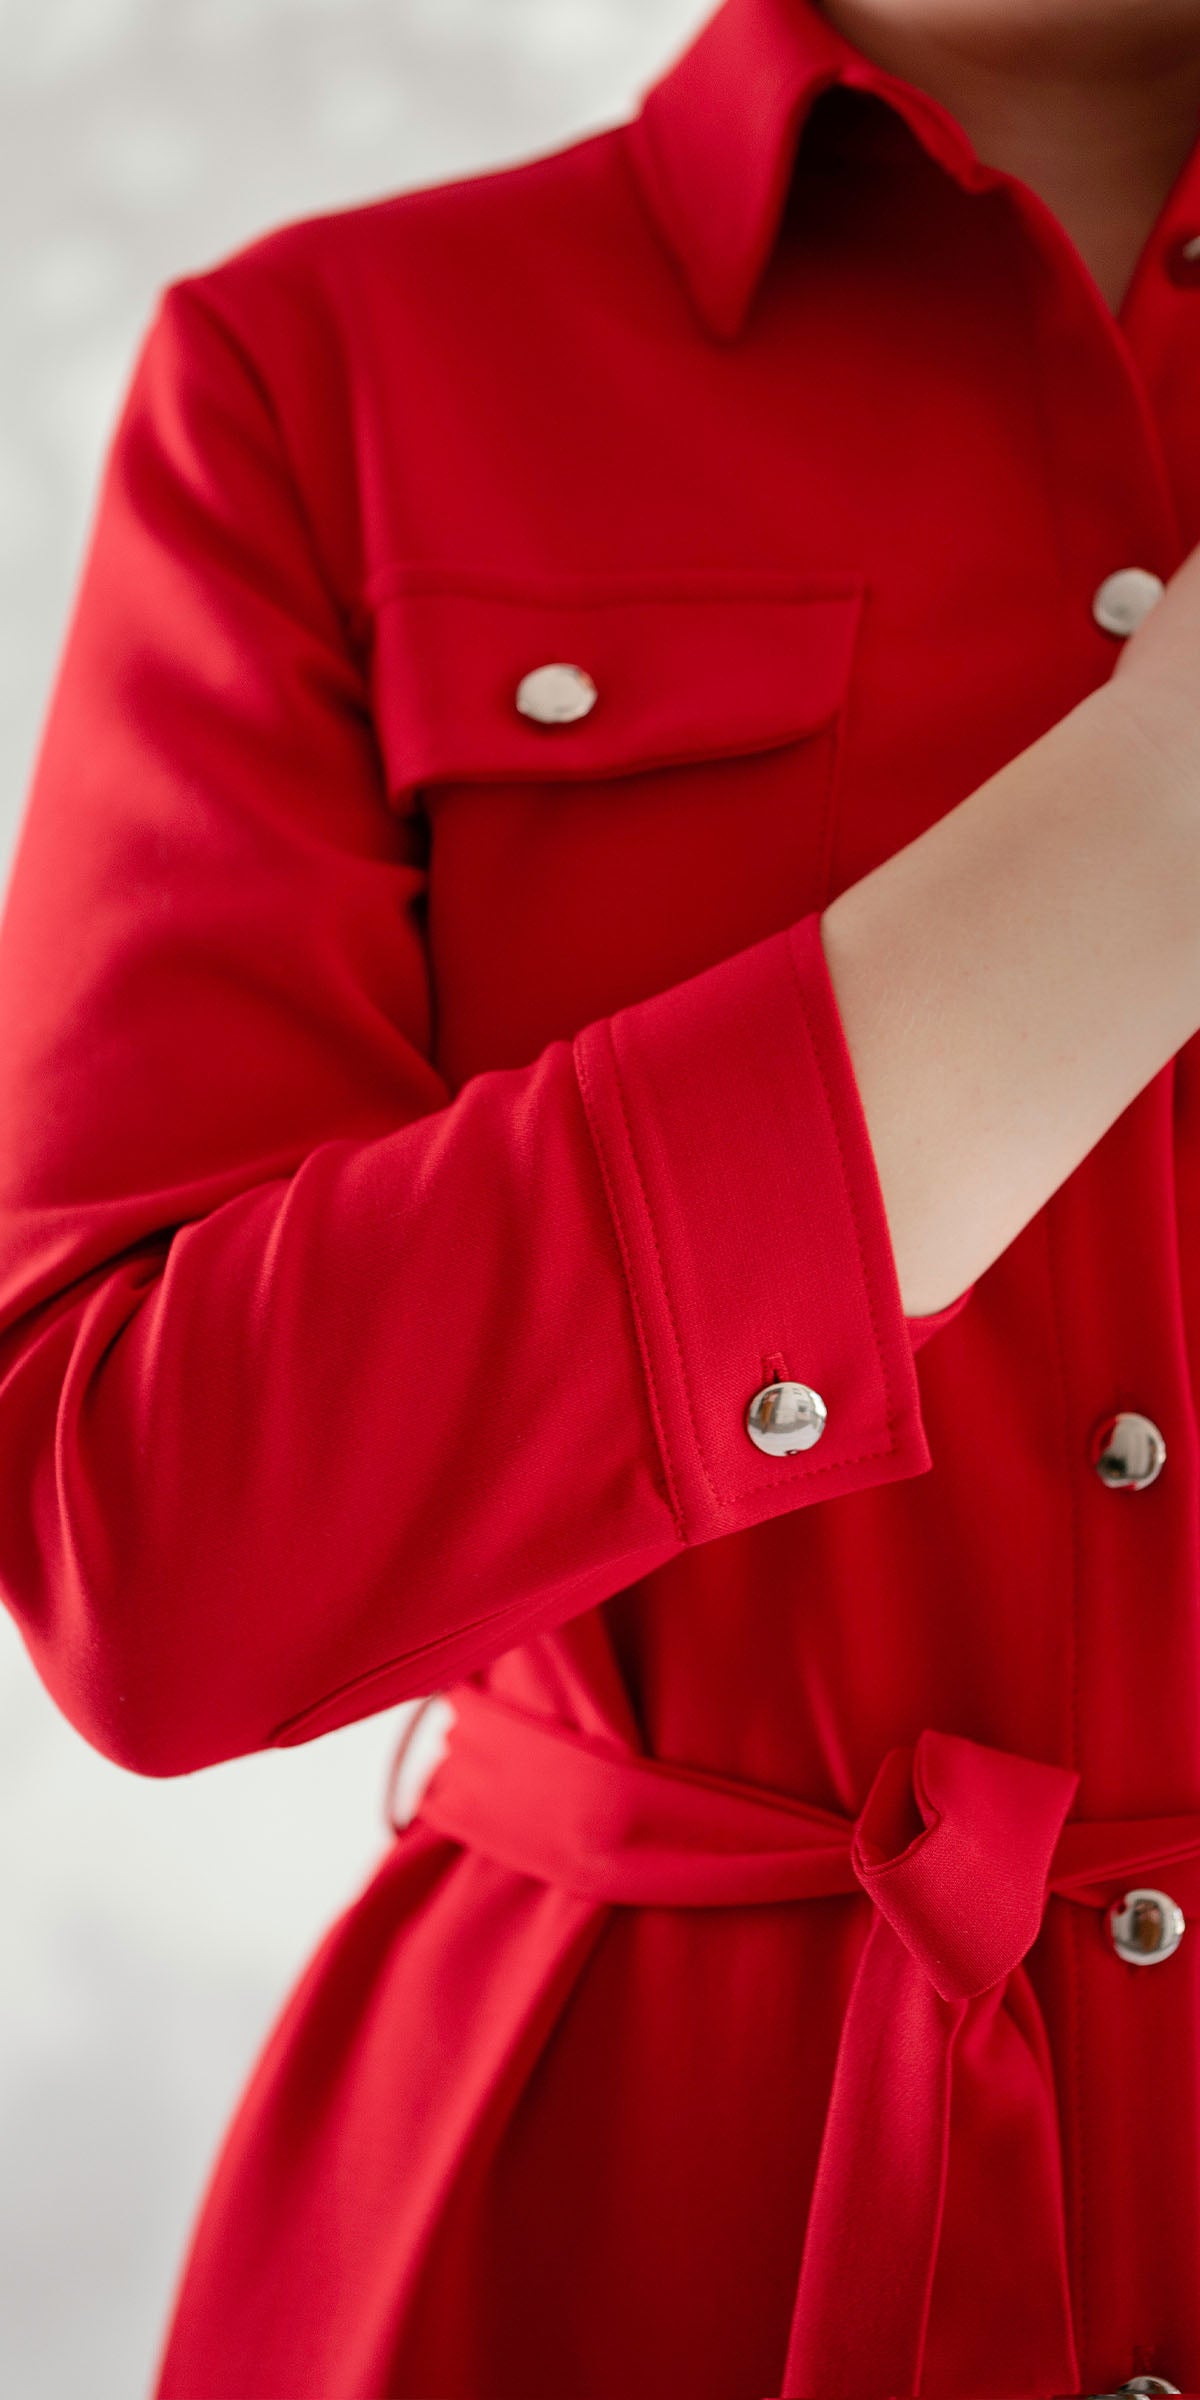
(742, 1183)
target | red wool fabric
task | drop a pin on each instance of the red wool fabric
(423, 1129)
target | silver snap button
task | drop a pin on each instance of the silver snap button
(1140, 2384)
(1125, 598)
(1146, 1926)
(557, 694)
(785, 1417)
(1145, 2384)
(1127, 1450)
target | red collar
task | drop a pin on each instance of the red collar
(715, 139)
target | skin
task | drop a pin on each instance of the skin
(971, 1022)
(1094, 104)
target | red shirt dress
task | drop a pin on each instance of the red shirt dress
(441, 1257)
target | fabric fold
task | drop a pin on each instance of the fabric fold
(956, 1908)
(958, 1846)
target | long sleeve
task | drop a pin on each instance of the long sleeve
(321, 1383)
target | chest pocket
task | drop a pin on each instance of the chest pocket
(688, 809)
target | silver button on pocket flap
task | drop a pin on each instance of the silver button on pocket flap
(556, 694)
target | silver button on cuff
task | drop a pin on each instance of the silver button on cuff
(1146, 1926)
(785, 1417)
(1182, 260)
(1127, 1450)
(557, 694)
(1125, 598)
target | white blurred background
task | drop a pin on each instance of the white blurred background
(149, 1931)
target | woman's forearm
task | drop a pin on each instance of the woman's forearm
(1010, 980)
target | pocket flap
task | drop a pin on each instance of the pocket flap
(687, 664)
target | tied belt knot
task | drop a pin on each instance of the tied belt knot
(958, 1845)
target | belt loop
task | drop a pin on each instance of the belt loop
(422, 1747)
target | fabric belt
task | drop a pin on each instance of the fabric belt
(940, 2007)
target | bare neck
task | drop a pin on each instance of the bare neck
(1102, 165)
(1101, 149)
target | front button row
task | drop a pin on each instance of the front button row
(1145, 1926)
